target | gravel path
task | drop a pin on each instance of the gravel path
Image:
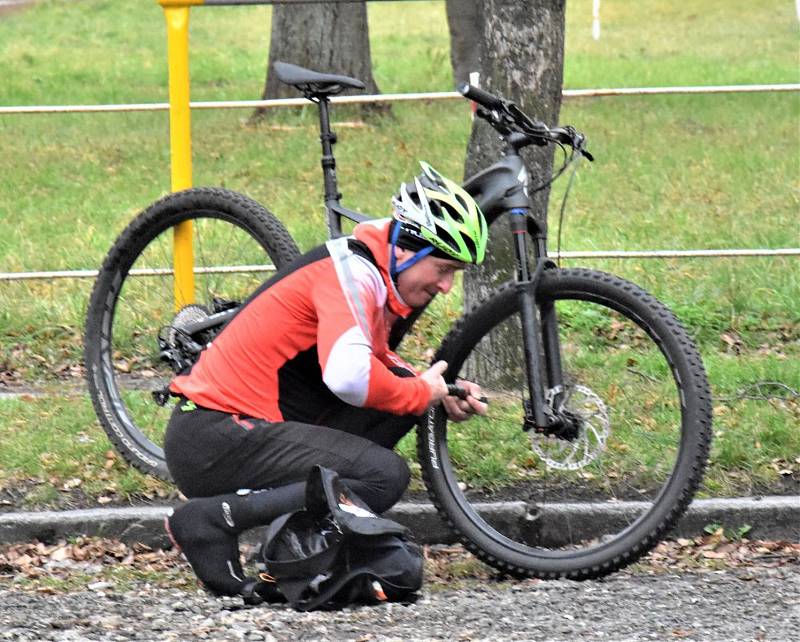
(743, 604)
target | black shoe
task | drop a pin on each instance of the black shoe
(212, 552)
(257, 592)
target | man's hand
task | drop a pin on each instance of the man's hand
(433, 377)
(461, 409)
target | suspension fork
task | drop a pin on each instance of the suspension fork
(538, 321)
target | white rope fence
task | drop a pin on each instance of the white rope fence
(448, 95)
(234, 269)
(385, 98)
(92, 274)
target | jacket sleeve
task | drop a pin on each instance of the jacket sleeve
(347, 310)
(394, 361)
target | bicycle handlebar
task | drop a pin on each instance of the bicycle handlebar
(478, 95)
(508, 119)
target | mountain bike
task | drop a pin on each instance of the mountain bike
(597, 395)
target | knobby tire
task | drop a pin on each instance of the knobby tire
(589, 555)
(229, 214)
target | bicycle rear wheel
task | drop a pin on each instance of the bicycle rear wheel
(584, 505)
(133, 301)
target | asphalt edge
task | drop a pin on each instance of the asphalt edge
(769, 518)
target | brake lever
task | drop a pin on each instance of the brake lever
(577, 141)
(494, 119)
(455, 390)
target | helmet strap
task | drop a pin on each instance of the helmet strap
(414, 259)
(394, 269)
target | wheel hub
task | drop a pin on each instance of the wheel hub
(579, 436)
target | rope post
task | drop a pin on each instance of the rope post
(176, 13)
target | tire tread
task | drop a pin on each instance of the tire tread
(698, 384)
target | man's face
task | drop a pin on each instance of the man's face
(422, 281)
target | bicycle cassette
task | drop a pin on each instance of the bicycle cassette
(176, 346)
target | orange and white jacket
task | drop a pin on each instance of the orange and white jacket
(315, 332)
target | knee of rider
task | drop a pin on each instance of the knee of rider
(394, 479)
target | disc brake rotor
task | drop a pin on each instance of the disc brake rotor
(593, 426)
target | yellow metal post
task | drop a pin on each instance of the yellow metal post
(180, 140)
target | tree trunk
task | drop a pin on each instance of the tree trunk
(522, 59)
(329, 38)
(464, 20)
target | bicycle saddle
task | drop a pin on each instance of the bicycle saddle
(312, 82)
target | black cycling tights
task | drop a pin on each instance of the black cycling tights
(212, 453)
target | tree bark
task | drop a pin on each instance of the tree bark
(329, 38)
(522, 59)
(465, 22)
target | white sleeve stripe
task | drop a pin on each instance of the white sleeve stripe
(347, 369)
(340, 253)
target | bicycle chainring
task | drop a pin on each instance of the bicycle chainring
(590, 415)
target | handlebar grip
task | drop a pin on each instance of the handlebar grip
(484, 98)
(457, 391)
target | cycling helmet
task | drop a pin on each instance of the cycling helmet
(434, 215)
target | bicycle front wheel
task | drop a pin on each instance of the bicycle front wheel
(581, 504)
(235, 244)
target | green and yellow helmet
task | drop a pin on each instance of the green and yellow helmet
(434, 212)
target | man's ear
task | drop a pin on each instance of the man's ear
(402, 254)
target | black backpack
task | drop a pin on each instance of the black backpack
(337, 552)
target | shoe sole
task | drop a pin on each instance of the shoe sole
(171, 536)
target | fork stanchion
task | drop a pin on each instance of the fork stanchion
(176, 14)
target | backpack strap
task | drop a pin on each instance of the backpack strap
(360, 248)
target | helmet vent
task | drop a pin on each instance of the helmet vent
(440, 212)
(454, 213)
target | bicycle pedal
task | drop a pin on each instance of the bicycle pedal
(161, 397)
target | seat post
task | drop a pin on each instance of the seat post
(328, 140)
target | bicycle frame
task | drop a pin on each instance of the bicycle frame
(499, 189)
(333, 207)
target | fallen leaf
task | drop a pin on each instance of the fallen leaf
(60, 554)
(46, 590)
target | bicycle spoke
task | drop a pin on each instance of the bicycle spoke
(145, 306)
(206, 277)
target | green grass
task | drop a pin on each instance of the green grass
(54, 449)
(672, 172)
(670, 43)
